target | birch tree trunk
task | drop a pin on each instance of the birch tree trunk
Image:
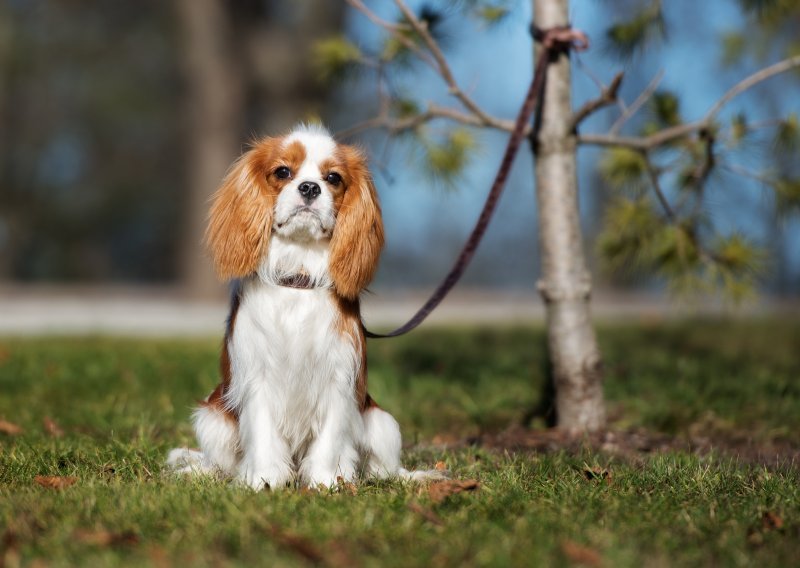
(565, 285)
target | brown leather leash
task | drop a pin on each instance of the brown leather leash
(555, 41)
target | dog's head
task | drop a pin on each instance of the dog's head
(304, 187)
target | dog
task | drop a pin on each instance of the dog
(296, 226)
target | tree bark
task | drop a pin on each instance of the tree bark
(214, 122)
(565, 285)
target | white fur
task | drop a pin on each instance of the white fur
(293, 371)
(295, 218)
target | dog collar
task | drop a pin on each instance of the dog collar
(299, 281)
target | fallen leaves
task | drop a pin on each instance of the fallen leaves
(51, 427)
(426, 514)
(441, 490)
(105, 538)
(597, 473)
(55, 481)
(9, 428)
(580, 554)
(333, 553)
(771, 521)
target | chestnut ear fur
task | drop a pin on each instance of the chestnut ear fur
(240, 220)
(358, 235)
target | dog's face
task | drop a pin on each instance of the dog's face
(304, 187)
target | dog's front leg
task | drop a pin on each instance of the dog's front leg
(266, 459)
(333, 454)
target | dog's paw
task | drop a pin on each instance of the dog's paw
(272, 477)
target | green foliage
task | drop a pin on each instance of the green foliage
(739, 129)
(334, 57)
(490, 12)
(665, 107)
(122, 404)
(493, 13)
(623, 168)
(787, 195)
(770, 11)
(636, 240)
(447, 159)
(628, 37)
(734, 46)
(787, 137)
(404, 107)
(630, 231)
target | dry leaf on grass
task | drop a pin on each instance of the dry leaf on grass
(106, 538)
(346, 486)
(597, 473)
(9, 428)
(441, 490)
(771, 521)
(296, 543)
(55, 481)
(52, 428)
(426, 514)
(580, 554)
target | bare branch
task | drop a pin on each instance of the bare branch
(683, 130)
(764, 178)
(637, 104)
(397, 31)
(433, 112)
(443, 68)
(752, 81)
(596, 80)
(608, 96)
(377, 20)
(655, 182)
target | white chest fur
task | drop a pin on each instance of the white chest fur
(288, 351)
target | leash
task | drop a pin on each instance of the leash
(555, 41)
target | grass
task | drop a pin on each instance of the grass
(123, 403)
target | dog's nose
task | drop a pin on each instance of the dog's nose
(309, 190)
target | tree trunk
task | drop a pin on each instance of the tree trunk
(214, 121)
(565, 285)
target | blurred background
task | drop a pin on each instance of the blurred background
(118, 119)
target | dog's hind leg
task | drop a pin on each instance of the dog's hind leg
(218, 436)
(382, 441)
(383, 444)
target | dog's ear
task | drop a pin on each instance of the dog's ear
(358, 234)
(240, 221)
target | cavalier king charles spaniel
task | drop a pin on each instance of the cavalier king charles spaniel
(297, 226)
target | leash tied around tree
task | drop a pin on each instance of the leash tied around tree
(555, 41)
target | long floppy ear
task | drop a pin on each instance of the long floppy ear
(358, 235)
(240, 220)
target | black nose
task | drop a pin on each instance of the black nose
(309, 190)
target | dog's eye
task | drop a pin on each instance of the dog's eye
(283, 173)
(333, 178)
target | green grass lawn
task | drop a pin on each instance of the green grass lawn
(121, 404)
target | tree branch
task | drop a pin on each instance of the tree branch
(443, 68)
(682, 130)
(637, 104)
(655, 182)
(608, 96)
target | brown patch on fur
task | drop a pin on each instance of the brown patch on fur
(349, 324)
(240, 221)
(358, 235)
(369, 404)
(216, 399)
